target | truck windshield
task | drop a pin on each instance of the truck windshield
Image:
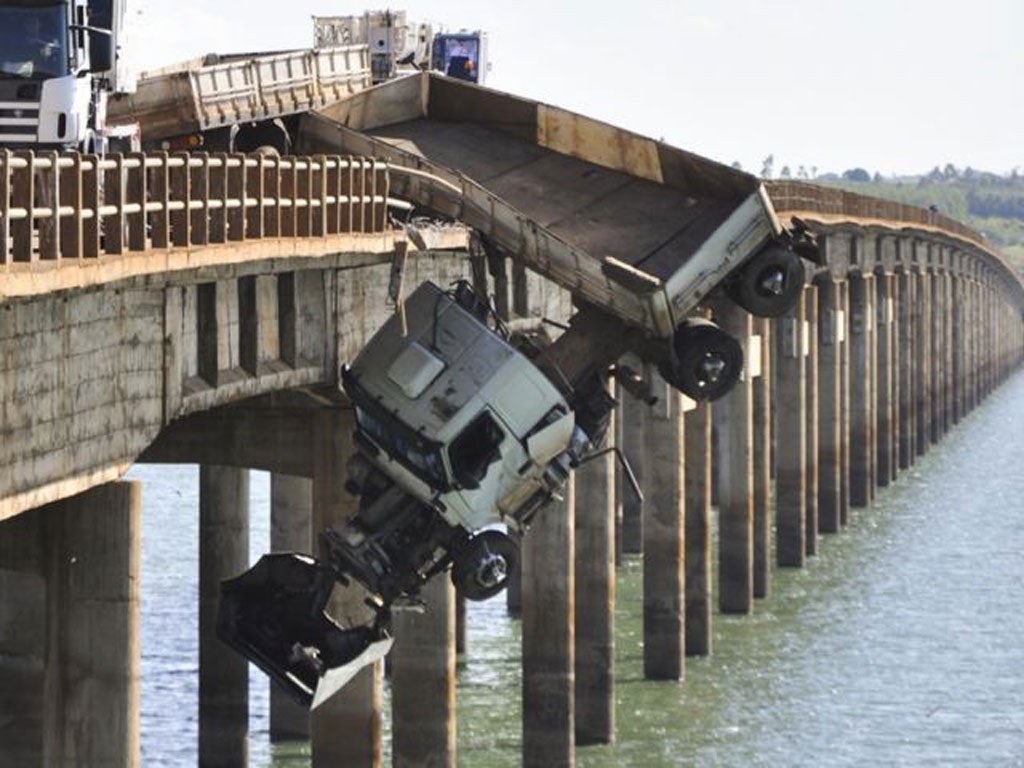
(33, 41)
(420, 456)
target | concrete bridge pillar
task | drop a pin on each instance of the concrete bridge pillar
(829, 406)
(811, 453)
(938, 314)
(548, 628)
(634, 437)
(69, 631)
(791, 449)
(514, 591)
(22, 640)
(223, 674)
(922, 362)
(595, 600)
(346, 730)
(759, 367)
(291, 517)
(92, 689)
(697, 426)
(423, 701)
(844, 398)
(861, 388)
(664, 529)
(735, 468)
(949, 350)
(906, 449)
(895, 366)
(884, 315)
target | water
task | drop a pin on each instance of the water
(901, 644)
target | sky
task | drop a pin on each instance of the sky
(893, 86)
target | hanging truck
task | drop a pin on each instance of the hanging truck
(462, 426)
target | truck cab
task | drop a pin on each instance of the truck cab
(57, 59)
(464, 428)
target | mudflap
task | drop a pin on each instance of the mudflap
(274, 615)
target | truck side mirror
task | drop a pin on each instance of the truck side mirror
(101, 52)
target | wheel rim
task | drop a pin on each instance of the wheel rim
(491, 571)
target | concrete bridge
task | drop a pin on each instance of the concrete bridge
(205, 322)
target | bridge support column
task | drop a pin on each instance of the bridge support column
(843, 329)
(861, 412)
(895, 364)
(948, 365)
(664, 528)
(548, 627)
(791, 452)
(93, 545)
(938, 309)
(291, 512)
(829, 406)
(759, 368)
(514, 591)
(735, 468)
(22, 640)
(223, 674)
(697, 426)
(346, 730)
(905, 369)
(634, 436)
(423, 680)
(958, 302)
(811, 452)
(922, 363)
(69, 632)
(884, 378)
(595, 600)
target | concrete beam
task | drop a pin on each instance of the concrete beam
(423, 681)
(549, 618)
(861, 390)
(734, 419)
(811, 517)
(698, 530)
(595, 600)
(223, 673)
(791, 448)
(346, 729)
(93, 551)
(664, 528)
(291, 518)
(829, 407)
(760, 362)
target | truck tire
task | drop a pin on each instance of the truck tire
(707, 361)
(482, 568)
(770, 284)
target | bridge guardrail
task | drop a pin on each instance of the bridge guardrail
(68, 206)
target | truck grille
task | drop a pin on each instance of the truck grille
(19, 122)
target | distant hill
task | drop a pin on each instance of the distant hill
(987, 202)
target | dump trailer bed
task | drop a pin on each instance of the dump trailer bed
(220, 91)
(632, 225)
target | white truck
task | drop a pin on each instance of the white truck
(60, 60)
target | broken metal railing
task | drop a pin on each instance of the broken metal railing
(56, 206)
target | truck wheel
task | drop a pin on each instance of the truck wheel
(770, 284)
(481, 570)
(708, 361)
